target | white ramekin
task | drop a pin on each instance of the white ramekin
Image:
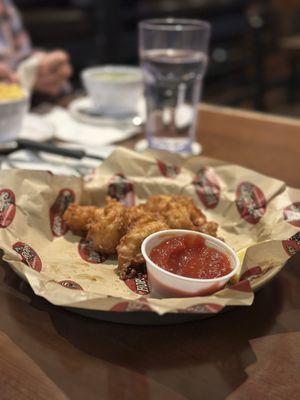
(166, 284)
(12, 113)
(114, 97)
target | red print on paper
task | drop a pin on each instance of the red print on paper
(63, 200)
(121, 189)
(168, 170)
(207, 187)
(87, 253)
(7, 207)
(28, 256)
(250, 202)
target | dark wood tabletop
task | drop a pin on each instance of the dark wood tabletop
(252, 352)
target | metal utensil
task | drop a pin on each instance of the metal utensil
(26, 144)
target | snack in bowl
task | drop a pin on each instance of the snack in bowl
(72, 274)
(116, 228)
(11, 91)
(184, 263)
(114, 90)
(14, 103)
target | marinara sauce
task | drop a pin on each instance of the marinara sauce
(189, 256)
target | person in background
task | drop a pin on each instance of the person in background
(54, 68)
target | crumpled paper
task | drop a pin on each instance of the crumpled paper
(258, 216)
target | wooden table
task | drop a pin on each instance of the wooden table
(247, 353)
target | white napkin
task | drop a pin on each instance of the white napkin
(26, 159)
(70, 130)
(27, 71)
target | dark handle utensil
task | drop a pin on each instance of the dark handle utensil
(49, 148)
(26, 144)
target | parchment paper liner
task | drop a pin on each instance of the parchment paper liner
(66, 279)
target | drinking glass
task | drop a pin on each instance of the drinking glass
(173, 58)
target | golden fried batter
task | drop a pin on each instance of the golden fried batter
(133, 214)
(78, 217)
(129, 249)
(116, 228)
(180, 211)
(106, 232)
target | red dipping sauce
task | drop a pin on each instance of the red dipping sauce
(189, 256)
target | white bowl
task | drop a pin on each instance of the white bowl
(112, 95)
(12, 113)
(166, 284)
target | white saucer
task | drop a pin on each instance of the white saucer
(142, 145)
(35, 127)
(83, 111)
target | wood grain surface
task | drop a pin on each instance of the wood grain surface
(277, 368)
(91, 360)
(21, 378)
(266, 143)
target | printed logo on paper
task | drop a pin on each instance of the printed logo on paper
(7, 207)
(121, 189)
(168, 170)
(70, 284)
(207, 187)
(292, 245)
(291, 214)
(251, 273)
(28, 256)
(139, 284)
(126, 306)
(89, 255)
(58, 225)
(208, 308)
(250, 202)
(242, 286)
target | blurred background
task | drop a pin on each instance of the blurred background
(254, 53)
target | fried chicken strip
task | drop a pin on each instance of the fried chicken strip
(180, 212)
(78, 217)
(129, 249)
(116, 228)
(158, 213)
(105, 233)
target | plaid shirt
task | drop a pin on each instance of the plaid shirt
(15, 44)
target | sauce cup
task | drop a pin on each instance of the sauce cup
(167, 284)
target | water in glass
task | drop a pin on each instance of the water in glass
(172, 79)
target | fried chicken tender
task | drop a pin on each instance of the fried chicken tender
(210, 228)
(177, 217)
(180, 212)
(133, 214)
(129, 249)
(105, 233)
(116, 228)
(158, 213)
(78, 217)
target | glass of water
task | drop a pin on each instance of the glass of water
(173, 57)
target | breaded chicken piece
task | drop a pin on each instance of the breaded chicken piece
(78, 217)
(106, 232)
(177, 217)
(180, 212)
(116, 228)
(158, 213)
(157, 203)
(210, 228)
(129, 249)
(132, 214)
